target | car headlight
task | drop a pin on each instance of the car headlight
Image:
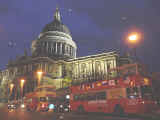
(69, 106)
(66, 109)
(22, 106)
(61, 106)
(51, 106)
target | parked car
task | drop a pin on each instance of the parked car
(12, 105)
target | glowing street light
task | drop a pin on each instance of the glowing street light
(39, 74)
(22, 81)
(11, 88)
(133, 40)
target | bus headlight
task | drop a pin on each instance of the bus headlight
(51, 106)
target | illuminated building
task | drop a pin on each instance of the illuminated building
(54, 52)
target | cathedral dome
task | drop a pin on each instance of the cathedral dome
(56, 26)
(55, 40)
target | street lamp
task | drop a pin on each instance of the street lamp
(133, 40)
(22, 81)
(11, 88)
(39, 74)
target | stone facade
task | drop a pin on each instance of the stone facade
(94, 67)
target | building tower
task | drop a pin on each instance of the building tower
(54, 41)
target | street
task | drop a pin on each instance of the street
(18, 114)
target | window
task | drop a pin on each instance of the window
(51, 99)
(101, 95)
(81, 97)
(43, 99)
(133, 92)
(91, 97)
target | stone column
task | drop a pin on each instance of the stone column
(52, 46)
(65, 47)
(47, 47)
(74, 52)
(60, 48)
(56, 49)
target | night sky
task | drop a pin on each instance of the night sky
(96, 26)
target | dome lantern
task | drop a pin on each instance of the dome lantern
(57, 15)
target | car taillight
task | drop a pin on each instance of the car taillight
(43, 105)
(142, 102)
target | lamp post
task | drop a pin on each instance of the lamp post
(133, 40)
(39, 74)
(11, 89)
(22, 81)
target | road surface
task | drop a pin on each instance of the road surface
(20, 114)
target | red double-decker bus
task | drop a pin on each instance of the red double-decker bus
(127, 89)
(42, 99)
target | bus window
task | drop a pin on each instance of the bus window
(91, 97)
(133, 92)
(146, 92)
(101, 96)
(43, 99)
(51, 99)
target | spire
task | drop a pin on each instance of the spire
(57, 15)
